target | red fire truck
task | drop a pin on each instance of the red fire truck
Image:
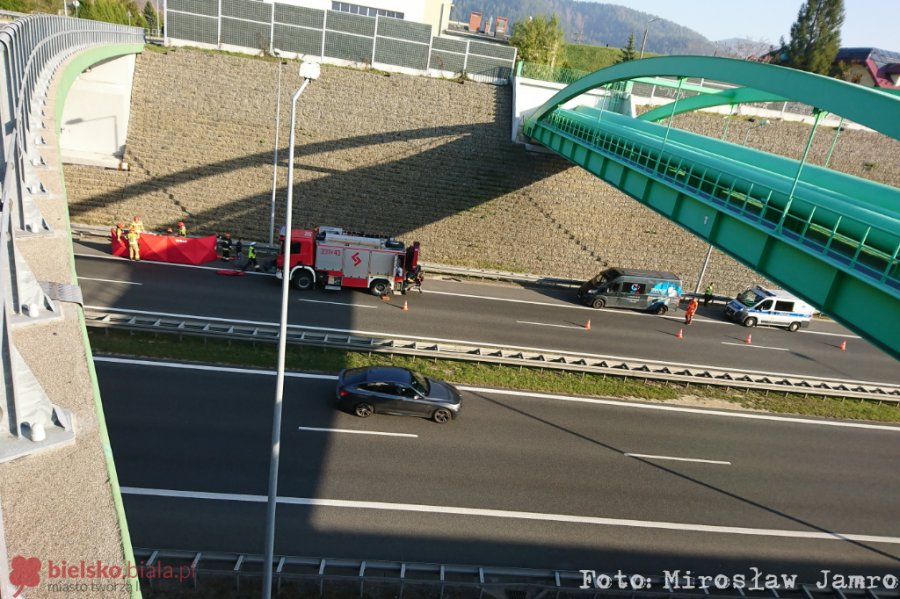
(337, 259)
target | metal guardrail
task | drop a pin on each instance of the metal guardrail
(380, 578)
(645, 370)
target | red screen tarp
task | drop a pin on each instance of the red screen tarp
(168, 248)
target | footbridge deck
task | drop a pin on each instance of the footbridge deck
(829, 237)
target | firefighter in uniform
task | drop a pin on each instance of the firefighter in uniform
(182, 230)
(120, 228)
(134, 247)
(226, 247)
(137, 225)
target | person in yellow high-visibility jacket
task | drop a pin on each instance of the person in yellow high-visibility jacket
(182, 230)
(134, 247)
(251, 257)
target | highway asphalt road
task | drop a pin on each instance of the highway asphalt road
(517, 480)
(485, 313)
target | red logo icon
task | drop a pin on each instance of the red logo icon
(356, 259)
(26, 572)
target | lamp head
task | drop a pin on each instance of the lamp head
(309, 70)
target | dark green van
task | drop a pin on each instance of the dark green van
(651, 290)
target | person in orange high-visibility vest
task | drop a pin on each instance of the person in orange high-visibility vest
(689, 311)
(134, 247)
(182, 230)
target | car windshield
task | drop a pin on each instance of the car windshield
(599, 280)
(749, 298)
(420, 383)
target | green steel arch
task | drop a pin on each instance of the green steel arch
(866, 106)
(831, 238)
(738, 95)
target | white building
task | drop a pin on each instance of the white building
(432, 12)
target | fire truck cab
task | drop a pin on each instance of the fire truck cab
(336, 259)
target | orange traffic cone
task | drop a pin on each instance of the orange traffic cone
(844, 345)
(587, 326)
(680, 334)
(749, 339)
(405, 306)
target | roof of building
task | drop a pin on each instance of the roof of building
(880, 63)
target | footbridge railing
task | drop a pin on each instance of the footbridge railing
(829, 237)
(32, 50)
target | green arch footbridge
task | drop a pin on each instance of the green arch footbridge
(830, 238)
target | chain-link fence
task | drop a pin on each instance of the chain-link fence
(331, 35)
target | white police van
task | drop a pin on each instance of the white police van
(773, 307)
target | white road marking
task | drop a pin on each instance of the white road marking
(704, 411)
(462, 341)
(845, 335)
(514, 515)
(347, 430)
(756, 346)
(548, 396)
(337, 303)
(108, 281)
(510, 300)
(547, 324)
(664, 457)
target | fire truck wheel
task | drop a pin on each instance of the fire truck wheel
(379, 287)
(303, 280)
(598, 303)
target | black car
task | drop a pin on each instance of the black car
(391, 390)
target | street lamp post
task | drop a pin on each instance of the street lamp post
(759, 123)
(646, 31)
(308, 72)
(281, 63)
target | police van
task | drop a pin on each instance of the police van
(651, 290)
(773, 307)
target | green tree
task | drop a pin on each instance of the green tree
(815, 37)
(13, 5)
(539, 40)
(151, 16)
(122, 12)
(627, 53)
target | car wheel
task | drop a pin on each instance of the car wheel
(661, 309)
(379, 287)
(363, 410)
(598, 303)
(303, 280)
(794, 327)
(442, 415)
(749, 322)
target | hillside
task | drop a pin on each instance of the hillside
(594, 23)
